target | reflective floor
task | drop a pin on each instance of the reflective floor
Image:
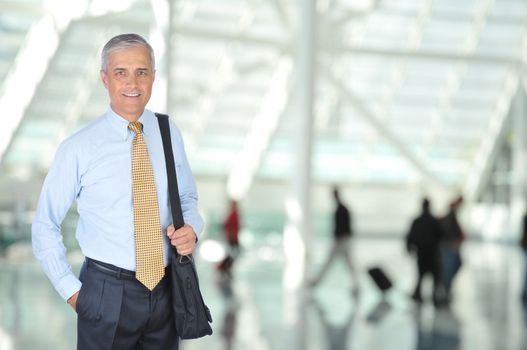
(256, 310)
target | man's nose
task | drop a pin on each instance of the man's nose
(131, 80)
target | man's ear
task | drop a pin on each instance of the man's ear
(104, 78)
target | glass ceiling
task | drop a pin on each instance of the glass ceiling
(405, 90)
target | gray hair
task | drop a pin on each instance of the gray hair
(124, 41)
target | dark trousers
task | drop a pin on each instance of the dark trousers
(117, 312)
(451, 264)
(427, 264)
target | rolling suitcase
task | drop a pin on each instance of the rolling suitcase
(380, 278)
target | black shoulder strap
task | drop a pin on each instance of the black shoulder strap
(175, 204)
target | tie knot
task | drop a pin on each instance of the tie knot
(136, 127)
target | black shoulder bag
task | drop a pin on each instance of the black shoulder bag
(191, 315)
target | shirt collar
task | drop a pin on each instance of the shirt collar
(120, 125)
(147, 119)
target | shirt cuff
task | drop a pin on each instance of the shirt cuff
(68, 285)
(197, 226)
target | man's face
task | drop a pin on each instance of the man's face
(129, 81)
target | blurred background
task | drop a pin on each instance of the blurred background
(278, 102)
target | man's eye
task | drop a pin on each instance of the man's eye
(141, 73)
(119, 72)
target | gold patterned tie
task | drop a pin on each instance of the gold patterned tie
(148, 236)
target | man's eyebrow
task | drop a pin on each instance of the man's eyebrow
(118, 69)
(143, 69)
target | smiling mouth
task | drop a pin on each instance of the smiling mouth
(131, 94)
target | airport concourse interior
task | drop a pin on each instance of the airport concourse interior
(361, 164)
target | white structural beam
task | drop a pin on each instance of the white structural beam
(282, 9)
(31, 63)
(518, 205)
(334, 48)
(25, 7)
(480, 172)
(298, 205)
(230, 36)
(104, 7)
(29, 67)
(169, 57)
(261, 131)
(419, 54)
(377, 124)
(160, 41)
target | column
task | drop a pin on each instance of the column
(297, 233)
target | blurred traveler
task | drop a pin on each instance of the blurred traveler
(342, 234)
(451, 246)
(115, 170)
(231, 230)
(424, 239)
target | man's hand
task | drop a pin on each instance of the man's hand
(73, 301)
(183, 239)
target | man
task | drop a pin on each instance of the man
(424, 238)
(122, 296)
(341, 240)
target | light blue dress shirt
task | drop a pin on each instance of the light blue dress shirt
(94, 168)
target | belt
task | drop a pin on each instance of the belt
(110, 269)
(115, 271)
